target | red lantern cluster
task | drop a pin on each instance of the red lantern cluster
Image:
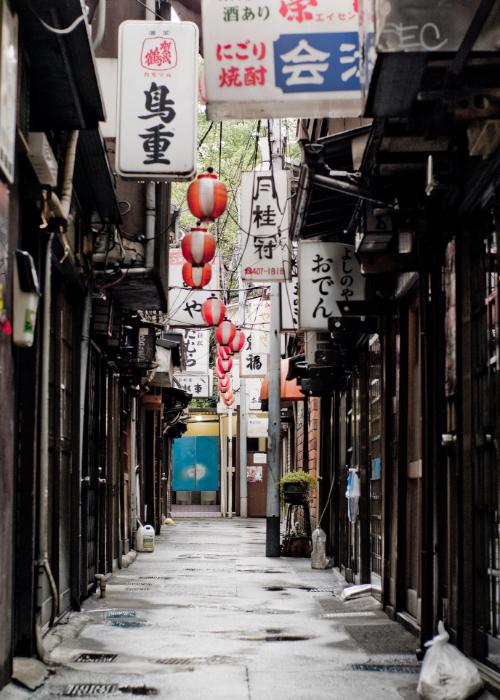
(207, 199)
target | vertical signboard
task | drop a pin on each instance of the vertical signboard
(264, 222)
(8, 89)
(255, 352)
(196, 345)
(184, 303)
(157, 100)
(329, 273)
(293, 58)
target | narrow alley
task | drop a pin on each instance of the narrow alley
(206, 615)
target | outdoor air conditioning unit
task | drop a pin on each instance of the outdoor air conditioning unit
(316, 345)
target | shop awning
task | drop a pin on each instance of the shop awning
(290, 390)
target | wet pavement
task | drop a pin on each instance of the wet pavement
(206, 615)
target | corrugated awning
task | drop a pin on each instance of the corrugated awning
(321, 211)
(290, 390)
(64, 88)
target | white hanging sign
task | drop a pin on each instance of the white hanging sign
(157, 100)
(184, 303)
(252, 390)
(329, 273)
(258, 426)
(289, 297)
(264, 223)
(199, 385)
(293, 58)
(8, 89)
(196, 346)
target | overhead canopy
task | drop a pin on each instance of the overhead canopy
(290, 390)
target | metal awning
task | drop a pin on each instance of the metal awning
(64, 88)
(321, 211)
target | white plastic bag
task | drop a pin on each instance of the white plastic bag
(318, 555)
(446, 673)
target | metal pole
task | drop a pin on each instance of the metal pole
(230, 464)
(243, 414)
(223, 465)
(273, 471)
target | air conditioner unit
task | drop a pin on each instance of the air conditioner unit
(316, 342)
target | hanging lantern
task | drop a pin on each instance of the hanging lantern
(223, 352)
(237, 342)
(228, 398)
(224, 365)
(198, 246)
(220, 373)
(224, 384)
(225, 332)
(196, 277)
(207, 196)
(213, 311)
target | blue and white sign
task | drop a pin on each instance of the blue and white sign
(293, 58)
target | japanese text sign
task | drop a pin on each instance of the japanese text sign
(289, 296)
(293, 58)
(196, 345)
(8, 89)
(258, 426)
(184, 303)
(264, 222)
(157, 100)
(329, 273)
(255, 351)
(199, 385)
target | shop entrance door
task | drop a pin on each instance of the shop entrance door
(195, 463)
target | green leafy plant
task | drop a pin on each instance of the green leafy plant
(301, 479)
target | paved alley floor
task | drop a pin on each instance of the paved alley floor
(207, 615)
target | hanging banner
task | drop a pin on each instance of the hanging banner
(157, 100)
(329, 273)
(252, 391)
(8, 89)
(196, 346)
(199, 385)
(184, 303)
(264, 223)
(294, 58)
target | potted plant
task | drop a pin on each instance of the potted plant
(296, 487)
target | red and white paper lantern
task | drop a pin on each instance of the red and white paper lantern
(228, 398)
(223, 352)
(224, 365)
(225, 332)
(198, 246)
(224, 384)
(207, 197)
(238, 341)
(196, 277)
(213, 311)
(220, 373)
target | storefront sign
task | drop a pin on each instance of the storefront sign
(293, 58)
(252, 391)
(157, 100)
(257, 426)
(329, 273)
(199, 385)
(264, 222)
(184, 303)
(8, 90)
(196, 345)
(254, 355)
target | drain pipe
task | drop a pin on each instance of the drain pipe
(150, 225)
(60, 209)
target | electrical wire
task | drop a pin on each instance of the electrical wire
(57, 30)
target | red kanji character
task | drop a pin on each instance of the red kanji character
(153, 57)
(297, 10)
(342, 17)
(221, 54)
(230, 77)
(319, 17)
(243, 46)
(259, 51)
(255, 76)
(355, 5)
(166, 51)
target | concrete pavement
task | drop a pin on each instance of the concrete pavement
(206, 615)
